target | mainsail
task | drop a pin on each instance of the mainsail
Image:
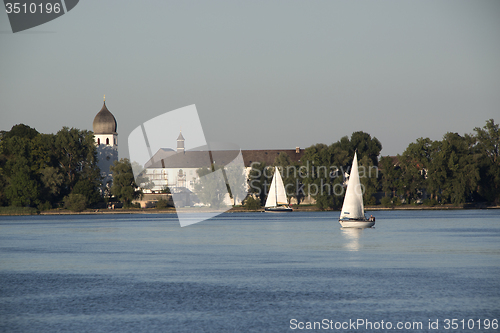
(277, 194)
(353, 201)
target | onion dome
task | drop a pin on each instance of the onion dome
(104, 122)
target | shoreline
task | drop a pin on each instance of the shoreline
(237, 210)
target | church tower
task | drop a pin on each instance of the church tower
(180, 143)
(106, 139)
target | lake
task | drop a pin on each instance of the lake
(416, 271)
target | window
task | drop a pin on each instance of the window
(107, 141)
(98, 141)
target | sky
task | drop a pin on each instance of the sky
(262, 74)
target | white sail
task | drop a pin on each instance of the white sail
(280, 189)
(277, 194)
(271, 195)
(353, 201)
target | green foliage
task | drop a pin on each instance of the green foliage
(124, 187)
(235, 176)
(132, 205)
(326, 166)
(259, 180)
(291, 178)
(21, 131)
(18, 210)
(23, 189)
(88, 189)
(76, 154)
(39, 168)
(390, 175)
(252, 204)
(386, 201)
(44, 206)
(75, 202)
(320, 176)
(162, 204)
(165, 190)
(52, 180)
(211, 187)
(453, 172)
(488, 149)
(366, 146)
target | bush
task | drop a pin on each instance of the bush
(162, 203)
(430, 202)
(131, 205)
(386, 201)
(44, 206)
(252, 204)
(372, 201)
(323, 202)
(75, 202)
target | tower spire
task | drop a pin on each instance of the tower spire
(180, 142)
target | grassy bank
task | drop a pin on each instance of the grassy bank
(18, 211)
(302, 208)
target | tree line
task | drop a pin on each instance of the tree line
(60, 170)
(458, 169)
(455, 170)
(56, 170)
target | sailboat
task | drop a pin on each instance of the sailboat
(352, 214)
(276, 198)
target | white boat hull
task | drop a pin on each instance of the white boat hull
(356, 223)
(280, 209)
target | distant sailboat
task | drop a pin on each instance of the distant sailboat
(352, 214)
(276, 198)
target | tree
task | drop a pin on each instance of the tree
(88, 188)
(391, 174)
(22, 190)
(252, 204)
(40, 169)
(124, 187)
(453, 170)
(291, 178)
(259, 180)
(235, 177)
(488, 146)
(21, 131)
(211, 187)
(52, 180)
(321, 179)
(414, 165)
(77, 156)
(75, 202)
(368, 176)
(365, 145)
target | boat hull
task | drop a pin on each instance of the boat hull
(281, 209)
(356, 223)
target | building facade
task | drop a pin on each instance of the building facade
(178, 169)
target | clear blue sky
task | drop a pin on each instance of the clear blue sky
(263, 74)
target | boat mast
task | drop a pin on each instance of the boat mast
(276, 185)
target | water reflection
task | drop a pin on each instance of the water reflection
(353, 238)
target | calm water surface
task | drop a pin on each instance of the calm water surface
(248, 272)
